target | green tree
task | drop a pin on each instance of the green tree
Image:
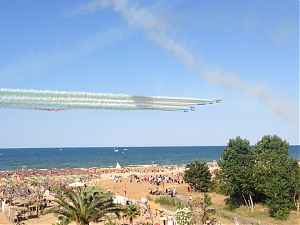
(264, 172)
(83, 206)
(275, 175)
(278, 192)
(198, 175)
(269, 152)
(236, 174)
(296, 183)
(131, 212)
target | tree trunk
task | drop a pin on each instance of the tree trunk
(245, 201)
(251, 201)
(198, 212)
(296, 202)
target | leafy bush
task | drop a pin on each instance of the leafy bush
(163, 200)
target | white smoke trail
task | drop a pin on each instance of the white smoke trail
(55, 101)
(154, 29)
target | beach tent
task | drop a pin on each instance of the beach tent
(118, 166)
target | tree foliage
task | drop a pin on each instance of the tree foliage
(198, 175)
(269, 153)
(295, 180)
(263, 173)
(131, 212)
(278, 192)
(275, 175)
(83, 206)
(237, 170)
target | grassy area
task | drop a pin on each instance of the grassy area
(171, 205)
(260, 212)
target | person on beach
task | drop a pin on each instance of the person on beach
(191, 198)
(125, 192)
(108, 190)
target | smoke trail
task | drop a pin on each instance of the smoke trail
(154, 29)
(56, 101)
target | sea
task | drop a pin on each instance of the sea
(105, 157)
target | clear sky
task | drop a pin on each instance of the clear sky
(244, 52)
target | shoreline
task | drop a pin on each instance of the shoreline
(24, 173)
(33, 175)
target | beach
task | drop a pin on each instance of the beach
(116, 179)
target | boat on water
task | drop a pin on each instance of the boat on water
(116, 150)
(125, 149)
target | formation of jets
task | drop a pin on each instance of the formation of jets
(204, 103)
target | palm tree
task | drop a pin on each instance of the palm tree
(83, 206)
(198, 208)
(131, 212)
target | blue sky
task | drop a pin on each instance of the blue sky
(244, 52)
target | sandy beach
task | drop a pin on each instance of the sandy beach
(118, 180)
(103, 178)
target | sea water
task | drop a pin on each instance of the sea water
(44, 158)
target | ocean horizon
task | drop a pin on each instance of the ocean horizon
(106, 157)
